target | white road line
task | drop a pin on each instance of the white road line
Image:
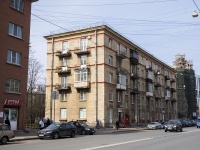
(134, 141)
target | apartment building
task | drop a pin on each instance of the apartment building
(101, 75)
(14, 46)
(198, 93)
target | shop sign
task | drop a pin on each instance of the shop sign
(12, 102)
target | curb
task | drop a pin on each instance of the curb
(23, 138)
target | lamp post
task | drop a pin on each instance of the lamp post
(163, 117)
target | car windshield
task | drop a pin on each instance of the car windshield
(53, 126)
(83, 124)
(172, 122)
(153, 123)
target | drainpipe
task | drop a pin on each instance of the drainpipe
(52, 66)
(96, 76)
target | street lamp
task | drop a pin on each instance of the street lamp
(195, 14)
(163, 115)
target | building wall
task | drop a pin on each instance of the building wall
(136, 110)
(198, 92)
(7, 42)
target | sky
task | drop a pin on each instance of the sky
(164, 28)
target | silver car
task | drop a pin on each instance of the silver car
(154, 125)
(5, 133)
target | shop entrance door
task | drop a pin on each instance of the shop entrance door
(12, 114)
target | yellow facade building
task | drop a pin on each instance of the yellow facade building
(101, 75)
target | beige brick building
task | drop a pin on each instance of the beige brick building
(101, 75)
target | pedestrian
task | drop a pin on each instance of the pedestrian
(41, 124)
(7, 121)
(117, 124)
(97, 124)
(48, 122)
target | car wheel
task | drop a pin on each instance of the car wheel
(156, 128)
(4, 140)
(83, 132)
(197, 127)
(176, 129)
(72, 134)
(181, 130)
(165, 130)
(56, 135)
(91, 133)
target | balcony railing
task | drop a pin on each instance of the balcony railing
(134, 61)
(167, 97)
(82, 84)
(63, 87)
(82, 52)
(121, 55)
(134, 90)
(62, 70)
(121, 87)
(167, 77)
(173, 89)
(157, 84)
(173, 80)
(61, 53)
(149, 94)
(134, 75)
(149, 78)
(149, 67)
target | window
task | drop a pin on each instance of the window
(63, 113)
(64, 47)
(126, 104)
(119, 97)
(81, 75)
(83, 60)
(63, 96)
(110, 77)
(110, 95)
(64, 82)
(118, 48)
(149, 87)
(125, 51)
(110, 43)
(110, 60)
(15, 30)
(82, 113)
(14, 57)
(64, 62)
(132, 99)
(82, 95)
(83, 44)
(111, 115)
(17, 4)
(12, 86)
(121, 79)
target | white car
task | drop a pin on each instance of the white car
(5, 133)
(154, 125)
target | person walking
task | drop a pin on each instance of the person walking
(41, 124)
(7, 121)
(117, 124)
(48, 122)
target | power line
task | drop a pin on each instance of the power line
(49, 22)
(111, 4)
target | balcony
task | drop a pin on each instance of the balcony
(157, 95)
(167, 87)
(63, 70)
(149, 67)
(149, 78)
(134, 75)
(174, 98)
(149, 94)
(121, 55)
(63, 87)
(172, 80)
(167, 77)
(82, 85)
(157, 84)
(173, 89)
(82, 52)
(167, 98)
(134, 90)
(121, 87)
(134, 61)
(60, 53)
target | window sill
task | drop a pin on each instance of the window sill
(13, 93)
(15, 37)
(63, 119)
(22, 12)
(82, 100)
(14, 64)
(63, 101)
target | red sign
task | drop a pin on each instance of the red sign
(12, 102)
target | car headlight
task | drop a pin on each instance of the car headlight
(174, 126)
(87, 128)
(49, 132)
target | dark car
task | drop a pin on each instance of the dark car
(83, 128)
(163, 124)
(56, 131)
(174, 125)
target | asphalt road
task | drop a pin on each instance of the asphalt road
(189, 139)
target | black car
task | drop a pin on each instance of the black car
(56, 131)
(174, 125)
(83, 128)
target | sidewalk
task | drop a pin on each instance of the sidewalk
(30, 134)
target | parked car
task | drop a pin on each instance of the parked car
(56, 131)
(163, 124)
(5, 133)
(154, 125)
(198, 122)
(83, 128)
(174, 125)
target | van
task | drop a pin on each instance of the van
(198, 121)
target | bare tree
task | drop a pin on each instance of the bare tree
(36, 99)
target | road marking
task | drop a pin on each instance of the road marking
(134, 141)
